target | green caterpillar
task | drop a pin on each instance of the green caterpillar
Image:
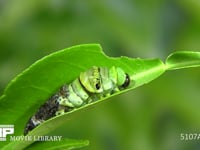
(90, 86)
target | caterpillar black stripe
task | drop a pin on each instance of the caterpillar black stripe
(90, 86)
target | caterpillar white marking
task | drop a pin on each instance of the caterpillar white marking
(90, 86)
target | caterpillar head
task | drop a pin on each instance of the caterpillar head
(119, 77)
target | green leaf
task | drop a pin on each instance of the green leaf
(66, 144)
(183, 59)
(35, 85)
(30, 89)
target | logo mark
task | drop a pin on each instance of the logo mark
(5, 130)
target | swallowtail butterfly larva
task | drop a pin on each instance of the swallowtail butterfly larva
(90, 86)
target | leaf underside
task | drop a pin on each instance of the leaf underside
(183, 59)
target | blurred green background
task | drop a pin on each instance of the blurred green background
(148, 118)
